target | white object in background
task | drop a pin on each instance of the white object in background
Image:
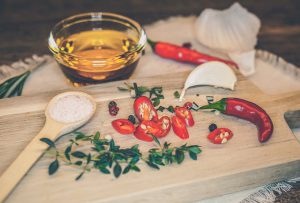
(232, 31)
(213, 73)
(245, 61)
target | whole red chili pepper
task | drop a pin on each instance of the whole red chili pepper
(245, 110)
(178, 53)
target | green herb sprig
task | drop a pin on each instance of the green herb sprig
(13, 86)
(107, 157)
(169, 108)
(155, 93)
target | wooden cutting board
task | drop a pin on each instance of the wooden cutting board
(240, 164)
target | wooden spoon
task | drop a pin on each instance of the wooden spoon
(52, 129)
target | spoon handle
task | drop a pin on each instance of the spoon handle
(32, 152)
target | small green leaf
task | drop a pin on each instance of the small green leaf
(80, 175)
(48, 142)
(135, 147)
(135, 168)
(176, 94)
(195, 149)
(160, 108)
(179, 156)
(117, 170)
(142, 90)
(152, 165)
(79, 135)
(126, 169)
(78, 154)
(171, 109)
(53, 167)
(67, 152)
(155, 102)
(97, 136)
(104, 170)
(193, 155)
(78, 163)
(134, 160)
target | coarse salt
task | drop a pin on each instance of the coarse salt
(71, 108)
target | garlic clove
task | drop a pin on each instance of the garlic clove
(245, 62)
(216, 74)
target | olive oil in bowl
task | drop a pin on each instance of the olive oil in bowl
(98, 54)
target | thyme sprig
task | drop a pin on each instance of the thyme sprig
(107, 157)
(155, 93)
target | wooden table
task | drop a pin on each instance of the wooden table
(25, 24)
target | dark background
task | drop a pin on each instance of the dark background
(25, 24)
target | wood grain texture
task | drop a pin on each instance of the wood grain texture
(240, 164)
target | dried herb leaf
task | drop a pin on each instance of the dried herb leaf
(193, 155)
(78, 163)
(152, 165)
(53, 167)
(171, 109)
(126, 169)
(176, 94)
(67, 152)
(48, 142)
(117, 170)
(179, 156)
(78, 154)
(104, 170)
(97, 136)
(195, 149)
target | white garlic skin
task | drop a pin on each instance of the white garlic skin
(232, 30)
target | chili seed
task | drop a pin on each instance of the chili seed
(111, 104)
(212, 127)
(187, 45)
(113, 110)
(131, 118)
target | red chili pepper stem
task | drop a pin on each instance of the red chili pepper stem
(219, 105)
(152, 44)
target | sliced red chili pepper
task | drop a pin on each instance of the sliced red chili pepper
(144, 109)
(188, 105)
(123, 126)
(220, 135)
(165, 125)
(146, 129)
(185, 115)
(179, 128)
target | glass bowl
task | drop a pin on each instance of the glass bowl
(97, 47)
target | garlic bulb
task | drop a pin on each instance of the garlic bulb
(230, 30)
(213, 73)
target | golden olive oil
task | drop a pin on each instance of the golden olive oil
(97, 56)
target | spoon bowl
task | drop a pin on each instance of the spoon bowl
(52, 130)
(65, 127)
